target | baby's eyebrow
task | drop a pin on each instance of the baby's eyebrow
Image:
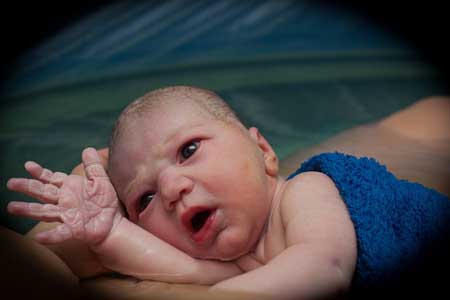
(170, 137)
(167, 140)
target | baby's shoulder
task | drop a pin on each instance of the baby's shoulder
(308, 182)
(309, 191)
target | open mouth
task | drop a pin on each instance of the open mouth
(199, 220)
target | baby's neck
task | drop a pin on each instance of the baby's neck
(277, 190)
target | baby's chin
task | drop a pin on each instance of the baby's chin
(228, 249)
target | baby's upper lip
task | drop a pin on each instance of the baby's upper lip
(189, 213)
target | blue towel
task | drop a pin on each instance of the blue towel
(399, 224)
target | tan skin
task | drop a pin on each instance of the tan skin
(413, 143)
(435, 137)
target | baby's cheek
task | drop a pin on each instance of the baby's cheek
(246, 167)
(233, 243)
(153, 225)
(248, 171)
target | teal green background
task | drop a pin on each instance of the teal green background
(300, 71)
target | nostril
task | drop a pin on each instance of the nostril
(170, 203)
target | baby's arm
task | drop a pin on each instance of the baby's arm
(89, 211)
(320, 254)
(131, 250)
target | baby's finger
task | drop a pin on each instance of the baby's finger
(36, 211)
(92, 164)
(34, 188)
(38, 172)
(56, 235)
(44, 175)
(57, 178)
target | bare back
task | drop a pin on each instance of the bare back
(413, 143)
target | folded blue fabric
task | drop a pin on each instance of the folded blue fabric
(397, 222)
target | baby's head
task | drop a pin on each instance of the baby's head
(188, 171)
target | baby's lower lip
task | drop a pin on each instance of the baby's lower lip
(206, 232)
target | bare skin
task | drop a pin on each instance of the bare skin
(417, 154)
(387, 132)
(297, 234)
(93, 220)
(86, 263)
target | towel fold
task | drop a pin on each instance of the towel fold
(400, 226)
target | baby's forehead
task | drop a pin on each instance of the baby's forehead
(171, 113)
(165, 120)
(160, 109)
(176, 100)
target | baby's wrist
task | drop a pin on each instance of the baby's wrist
(109, 241)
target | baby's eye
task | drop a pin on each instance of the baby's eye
(188, 150)
(145, 201)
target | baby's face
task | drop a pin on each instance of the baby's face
(194, 181)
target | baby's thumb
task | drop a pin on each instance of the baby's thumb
(92, 164)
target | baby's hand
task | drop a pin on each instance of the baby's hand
(87, 207)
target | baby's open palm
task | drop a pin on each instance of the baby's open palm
(87, 207)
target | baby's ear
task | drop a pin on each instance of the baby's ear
(270, 158)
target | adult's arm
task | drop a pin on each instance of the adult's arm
(31, 270)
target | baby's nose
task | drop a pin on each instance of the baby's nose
(173, 186)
